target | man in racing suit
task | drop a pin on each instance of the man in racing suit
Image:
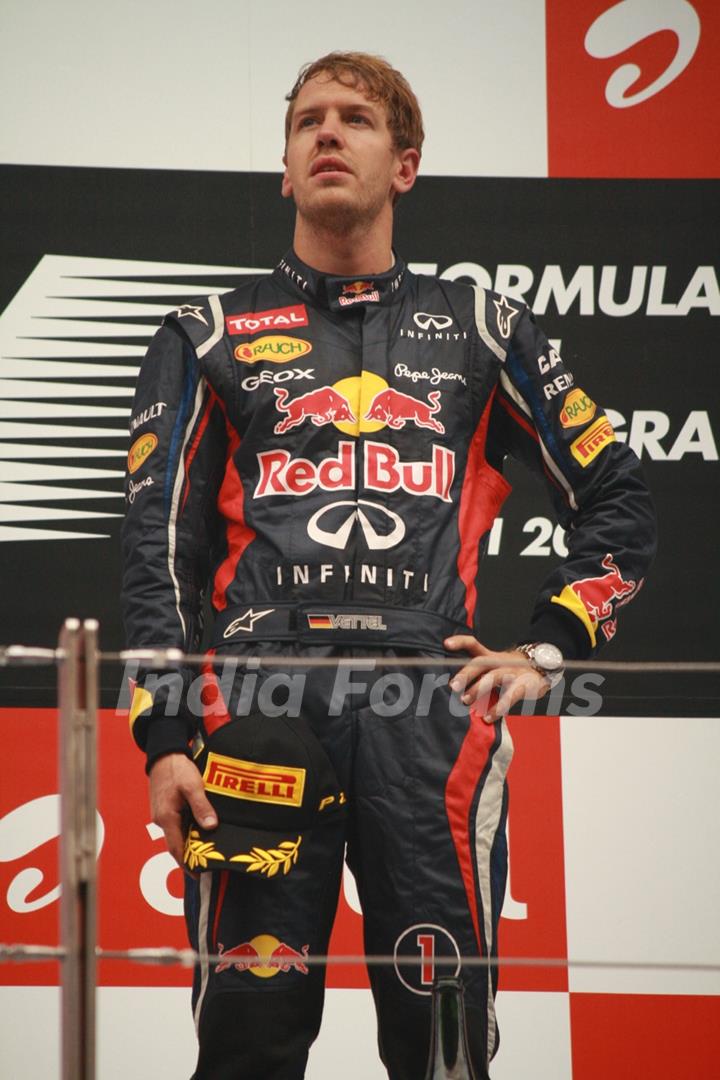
(297, 443)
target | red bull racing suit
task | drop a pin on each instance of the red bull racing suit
(327, 453)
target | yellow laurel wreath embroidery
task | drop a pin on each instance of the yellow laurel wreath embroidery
(284, 857)
(197, 851)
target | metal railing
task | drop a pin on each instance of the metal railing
(77, 658)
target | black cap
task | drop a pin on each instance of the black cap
(269, 781)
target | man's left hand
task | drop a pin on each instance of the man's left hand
(494, 681)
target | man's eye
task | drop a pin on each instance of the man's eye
(307, 121)
(358, 118)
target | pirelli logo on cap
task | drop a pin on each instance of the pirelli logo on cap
(588, 445)
(257, 783)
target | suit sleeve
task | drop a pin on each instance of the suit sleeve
(542, 417)
(175, 466)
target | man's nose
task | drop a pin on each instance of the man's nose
(330, 133)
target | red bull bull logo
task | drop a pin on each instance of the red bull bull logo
(359, 292)
(322, 406)
(593, 599)
(397, 409)
(357, 287)
(264, 956)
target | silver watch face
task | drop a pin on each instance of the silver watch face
(547, 656)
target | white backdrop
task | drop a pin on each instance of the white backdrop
(175, 84)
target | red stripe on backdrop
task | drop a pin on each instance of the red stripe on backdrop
(644, 1037)
(231, 504)
(534, 920)
(596, 127)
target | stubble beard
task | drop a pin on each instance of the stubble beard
(340, 216)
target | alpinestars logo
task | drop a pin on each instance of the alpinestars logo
(71, 340)
(246, 622)
(505, 315)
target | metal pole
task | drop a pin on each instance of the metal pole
(77, 756)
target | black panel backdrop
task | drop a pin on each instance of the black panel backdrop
(663, 363)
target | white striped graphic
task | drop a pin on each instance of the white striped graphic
(71, 341)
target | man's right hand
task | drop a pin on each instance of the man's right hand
(175, 782)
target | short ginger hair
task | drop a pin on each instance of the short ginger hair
(379, 81)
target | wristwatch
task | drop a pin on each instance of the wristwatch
(545, 658)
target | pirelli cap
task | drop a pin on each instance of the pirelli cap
(270, 783)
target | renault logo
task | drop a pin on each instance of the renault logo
(338, 537)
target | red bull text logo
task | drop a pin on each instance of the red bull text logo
(256, 783)
(323, 406)
(250, 322)
(588, 445)
(264, 956)
(282, 474)
(359, 292)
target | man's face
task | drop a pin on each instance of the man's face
(341, 167)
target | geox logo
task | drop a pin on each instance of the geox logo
(346, 622)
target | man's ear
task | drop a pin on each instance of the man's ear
(286, 186)
(408, 163)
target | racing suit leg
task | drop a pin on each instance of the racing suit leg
(258, 1019)
(427, 845)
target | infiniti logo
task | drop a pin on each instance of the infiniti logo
(339, 537)
(438, 322)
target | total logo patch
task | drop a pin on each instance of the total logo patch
(281, 784)
(276, 349)
(428, 951)
(251, 322)
(140, 451)
(588, 445)
(577, 409)
(263, 956)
